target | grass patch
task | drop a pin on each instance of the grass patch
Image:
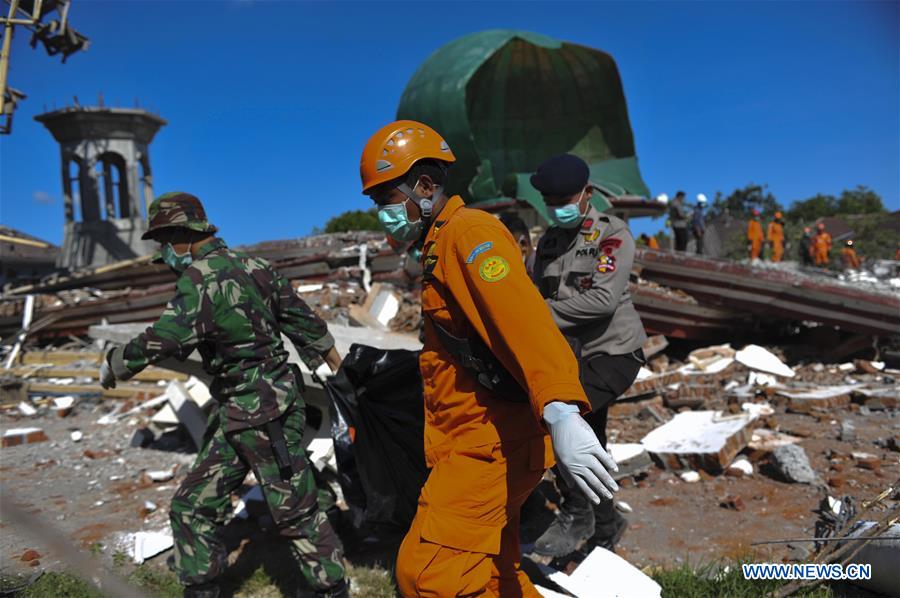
(372, 582)
(721, 580)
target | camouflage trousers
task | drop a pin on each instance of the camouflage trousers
(202, 503)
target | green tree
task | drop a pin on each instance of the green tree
(353, 220)
(741, 202)
(818, 206)
(861, 200)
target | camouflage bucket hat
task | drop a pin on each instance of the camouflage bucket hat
(177, 209)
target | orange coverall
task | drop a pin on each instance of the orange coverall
(821, 247)
(755, 236)
(652, 243)
(486, 453)
(775, 236)
(851, 260)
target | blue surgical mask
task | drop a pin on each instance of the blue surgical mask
(177, 261)
(567, 216)
(395, 222)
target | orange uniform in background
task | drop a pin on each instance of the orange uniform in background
(486, 453)
(775, 236)
(822, 247)
(849, 257)
(755, 237)
(652, 243)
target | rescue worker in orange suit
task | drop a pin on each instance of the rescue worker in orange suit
(755, 235)
(582, 269)
(649, 241)
(848, 256)
(501, 386)
(822, 246)
(775, 237)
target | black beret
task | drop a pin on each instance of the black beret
(561, 175)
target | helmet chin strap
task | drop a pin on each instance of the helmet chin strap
(425, 204)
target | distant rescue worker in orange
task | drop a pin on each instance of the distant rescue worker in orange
(649, 241)
(821, 246)
(775, 237)
(849, 257)
(501, 385)
(755, 235)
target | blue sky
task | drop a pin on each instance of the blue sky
(270, 103)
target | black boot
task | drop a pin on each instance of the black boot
(610, 526)
(202, 590)
(573, 525)
(338, 590)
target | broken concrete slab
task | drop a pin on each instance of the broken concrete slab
(653, 384)
(63, 405)
(604, 569)
(632, 459)
(149, 544)
(699, 439)
(632, 407)
(17, 436)
(879, 398)
(762, 360)
(767, 440)
(823, 398)
(793, 465)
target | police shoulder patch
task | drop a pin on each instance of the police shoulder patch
(478, 251)
(606, 264)
(493, 268)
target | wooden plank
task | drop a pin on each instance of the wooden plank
(142, 392)
(149, 375)
(59, 357)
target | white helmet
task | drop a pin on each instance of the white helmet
(662, 198)
(701, 198)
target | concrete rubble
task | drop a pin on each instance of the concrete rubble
(730, 415)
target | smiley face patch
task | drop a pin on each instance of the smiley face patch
(493, 269)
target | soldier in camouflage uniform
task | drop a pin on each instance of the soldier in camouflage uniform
(233, 308)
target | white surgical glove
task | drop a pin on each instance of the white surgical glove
(579, 454)
(322, 373)
(107, 378)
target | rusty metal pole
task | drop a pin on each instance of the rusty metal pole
(4, 56)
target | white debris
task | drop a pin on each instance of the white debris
(63, 403)
(150, 506)
(763, 360)
(149, 544)
(732, 384)
(758, 409)
(846, 367)
(760, 379)
(643, 374)
(254, 494)
(161, 382)
(607, 570)
(76, 436)
(690, 477)
(835, 505)
(26, 409)
(163, 475)
(98, 503)
(548, 593)
(322, 453)
(309, 288)
(624, 506)
(742, 465)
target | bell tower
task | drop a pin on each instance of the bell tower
(107, 181)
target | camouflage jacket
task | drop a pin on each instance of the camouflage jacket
(232, 308)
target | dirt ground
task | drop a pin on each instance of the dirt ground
(95, 490)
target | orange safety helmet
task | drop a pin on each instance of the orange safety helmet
(393, 149)
(777, 215)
